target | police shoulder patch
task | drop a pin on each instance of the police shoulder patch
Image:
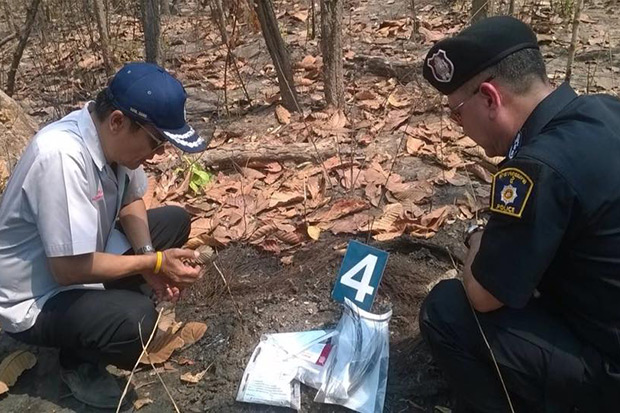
(510, 192)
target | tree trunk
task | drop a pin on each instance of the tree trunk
(9, 17)
(278, 52)
(414, 20)
(511, 8)
(164, 7)
(104, 39)
(573, 40)
(479, 10)
(331, 48)
(217, 12)
(21, 46)
(152, 30)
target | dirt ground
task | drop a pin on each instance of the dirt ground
(273, 297)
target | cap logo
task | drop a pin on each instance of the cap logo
(441, 66)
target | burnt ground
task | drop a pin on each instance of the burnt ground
(273, 298)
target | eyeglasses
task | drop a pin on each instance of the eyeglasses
(158, 143)
(455, 113)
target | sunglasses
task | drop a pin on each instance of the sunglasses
(157, 142)
(455, 113)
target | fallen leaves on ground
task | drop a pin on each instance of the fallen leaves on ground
(172, 335)
(193, 378)
(140, 403)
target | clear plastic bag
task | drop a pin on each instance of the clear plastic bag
(355, 374)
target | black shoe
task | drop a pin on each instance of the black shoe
(92, 385)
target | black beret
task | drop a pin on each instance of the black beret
(453, 61)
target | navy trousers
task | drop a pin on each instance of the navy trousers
(545, 366)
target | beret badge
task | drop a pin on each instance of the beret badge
(441, 67)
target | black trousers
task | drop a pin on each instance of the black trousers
(102, 325)
(545, 367)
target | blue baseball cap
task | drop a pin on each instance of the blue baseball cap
(147, 93)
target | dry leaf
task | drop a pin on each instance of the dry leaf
(283, 115)
(192, 332)
(308, 62)
(288, 260)
(414, 145)
(339, 209)
(193, 378)
(14, 365)
(140, 403)
(480, 173)
(314, 232)
(394, 101)
(148, 198)
(161, 348)
(3, 388)
(284, 198)
(301, 16)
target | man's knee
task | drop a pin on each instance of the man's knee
(179, 218)
(139, 319)
(445, 307)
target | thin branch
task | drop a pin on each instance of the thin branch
(229, 292)
(120, 402)
(176, 408)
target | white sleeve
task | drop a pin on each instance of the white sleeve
(58, 194)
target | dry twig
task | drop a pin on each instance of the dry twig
(120, 402)
(229, 292)
(176, 408)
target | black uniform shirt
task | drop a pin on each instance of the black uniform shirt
(555, 224)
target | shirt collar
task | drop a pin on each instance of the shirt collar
(88, 131)
(540, 117)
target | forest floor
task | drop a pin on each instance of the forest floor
(398, 177)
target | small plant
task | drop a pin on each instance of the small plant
(199, 177)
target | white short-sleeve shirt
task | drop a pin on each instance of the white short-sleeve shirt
(62, 199)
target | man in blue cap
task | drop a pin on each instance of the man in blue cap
(78, 249)
(535, 324)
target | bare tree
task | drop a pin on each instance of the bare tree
(164, 7)
(9, 17)
(481, 9)
(217, 12)
(102, 26)
(21, 46)
(511, 8)
(573, 41)
(331, 48)
(152, 30)
(279, 53)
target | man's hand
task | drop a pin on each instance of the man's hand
(178, 268)
(162, 288)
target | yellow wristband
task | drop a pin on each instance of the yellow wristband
(160, 258)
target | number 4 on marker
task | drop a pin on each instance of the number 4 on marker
(362, 287)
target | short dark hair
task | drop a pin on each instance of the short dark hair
(520, 70)
(104, 106)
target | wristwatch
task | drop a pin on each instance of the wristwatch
(471, 231)
(147, 249)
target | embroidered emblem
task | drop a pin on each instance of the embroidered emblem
(441, 66)
(510, 192)
(516, 145)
